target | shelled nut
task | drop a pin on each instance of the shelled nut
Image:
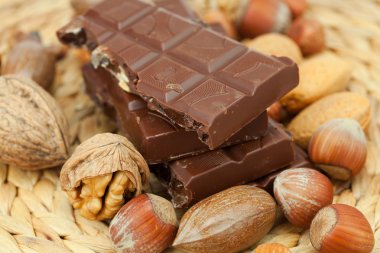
(339, 147)
(301, 193)
(341, 228)
(271, 248)
(338, 105)
(104, 172)
(275, 44)
(147, 223)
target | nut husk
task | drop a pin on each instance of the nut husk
(104, 172)
(228, 221)
(33, 130)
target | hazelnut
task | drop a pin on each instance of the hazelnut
(297, 7)
(301, 193)
(308, 34)
(339, 147)
(276, 112)
(271, 248)
(341, 228)
(264, 16)
(216, 17)
(147, 223)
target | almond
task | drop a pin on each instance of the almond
(337, 105)
(320, 75)
(228, 221)
(275, 44)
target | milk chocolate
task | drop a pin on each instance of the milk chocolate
(195, 178)
(157, 139)
(197, 78)
(301, 161)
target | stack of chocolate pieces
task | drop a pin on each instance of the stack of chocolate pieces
(192, 100)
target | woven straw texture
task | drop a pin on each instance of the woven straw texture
(35, 215)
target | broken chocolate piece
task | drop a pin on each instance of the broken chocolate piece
(301, 161)
(199, 79)
(195, 178)
(157, 139)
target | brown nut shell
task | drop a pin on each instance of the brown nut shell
(102, 173)
(31, 59)
(341, 228)
(228, 221)
(301, 193)
(338, 105)
(147, 223)
(339, 147)
(34, 132)
(308, 34)
(264, 16)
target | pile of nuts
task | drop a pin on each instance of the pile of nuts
(106, 177)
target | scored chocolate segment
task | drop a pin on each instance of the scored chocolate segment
(197, 78)
(301, 161)
(195, 178)
(157, 139)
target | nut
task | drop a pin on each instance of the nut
(34, 132)
(103, 172)
(297, 7)
(31, 59)
(320, 76)
(228, 221)
(308, 34)
(217, 17)
(276, 112)
(339, 147)
(271, 248)
(147, 223)
(264, 16)
(275, 44)
(301, 193)
(338, 105)
(341, 228)
(81, 6)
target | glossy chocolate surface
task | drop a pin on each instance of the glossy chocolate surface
(197, 78)
(158, 139)
(195, 178)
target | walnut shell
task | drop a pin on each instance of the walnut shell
(33, 130)
(102, 173)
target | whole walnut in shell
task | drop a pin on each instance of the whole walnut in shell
(104, 172)
(33, 129)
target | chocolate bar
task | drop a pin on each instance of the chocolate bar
(301, 160)
(197, 78)
(157, 139)
(195, 178)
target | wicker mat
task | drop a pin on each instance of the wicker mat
(35, 215)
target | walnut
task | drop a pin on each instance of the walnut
(33, 130)
(104, 172)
